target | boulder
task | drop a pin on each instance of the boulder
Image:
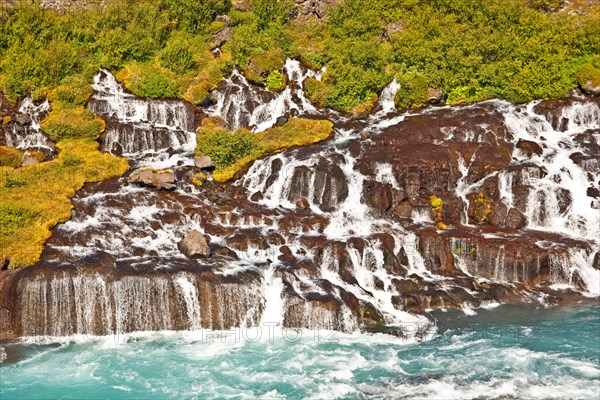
(593, 192)
(203, 162)
(160, 179)
(377, 195)
(281, 121)
(224, 18)
(223, 36)
(314, 8)
(194, 245)
(241, 5)
(589, 88)
(30, 158)
(116, 149)
(302, 204)
(434, 95)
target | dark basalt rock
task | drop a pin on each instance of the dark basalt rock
(528, 147)
(377, 195)
(497, 260)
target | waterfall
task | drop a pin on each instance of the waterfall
(558, 200)
(90, 304)
(27, 135)
(387, 98)
(243, 105)
(191, 298)
(143, 128)
(335, 236)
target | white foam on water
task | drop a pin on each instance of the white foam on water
(30, 136)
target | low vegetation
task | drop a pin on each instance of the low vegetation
(25, 225)
(512, 49)
(10, 157)
(232, 151)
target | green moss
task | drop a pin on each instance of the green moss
(149, 80)
(589, 73)
(276, 81)
(25, 225)
(10, 157)
(296, 132)
(212, 71)
(72, 123)
(263, 64)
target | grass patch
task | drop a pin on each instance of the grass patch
(70, 123)
(10, 157)
(149, 80)
(232, 151)
(41, 199)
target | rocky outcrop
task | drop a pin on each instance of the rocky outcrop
(31, 158)
(314, 8)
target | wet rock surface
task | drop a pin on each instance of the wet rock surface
(341, 235)
(194, 245)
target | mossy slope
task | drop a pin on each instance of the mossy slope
(35, 198)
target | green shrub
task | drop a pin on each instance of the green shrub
(546, 5)
(267, 12)
(178, 55)
(413, 91)
(276, 81)
(589, 73)
(71, 160)
(155, 85)
(195, 15)
(225, 148)
(69, 123)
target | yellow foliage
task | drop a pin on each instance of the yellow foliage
(10, 157)
(44, 191)
(211, 73)
(483, 208)
(437, 207)
(296, 132)
(199, 179)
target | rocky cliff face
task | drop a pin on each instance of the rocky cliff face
(345, 235)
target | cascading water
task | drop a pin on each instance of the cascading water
(558, 201)
(27, 134)
(143, 128)
(243, 105)
(339, 235)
